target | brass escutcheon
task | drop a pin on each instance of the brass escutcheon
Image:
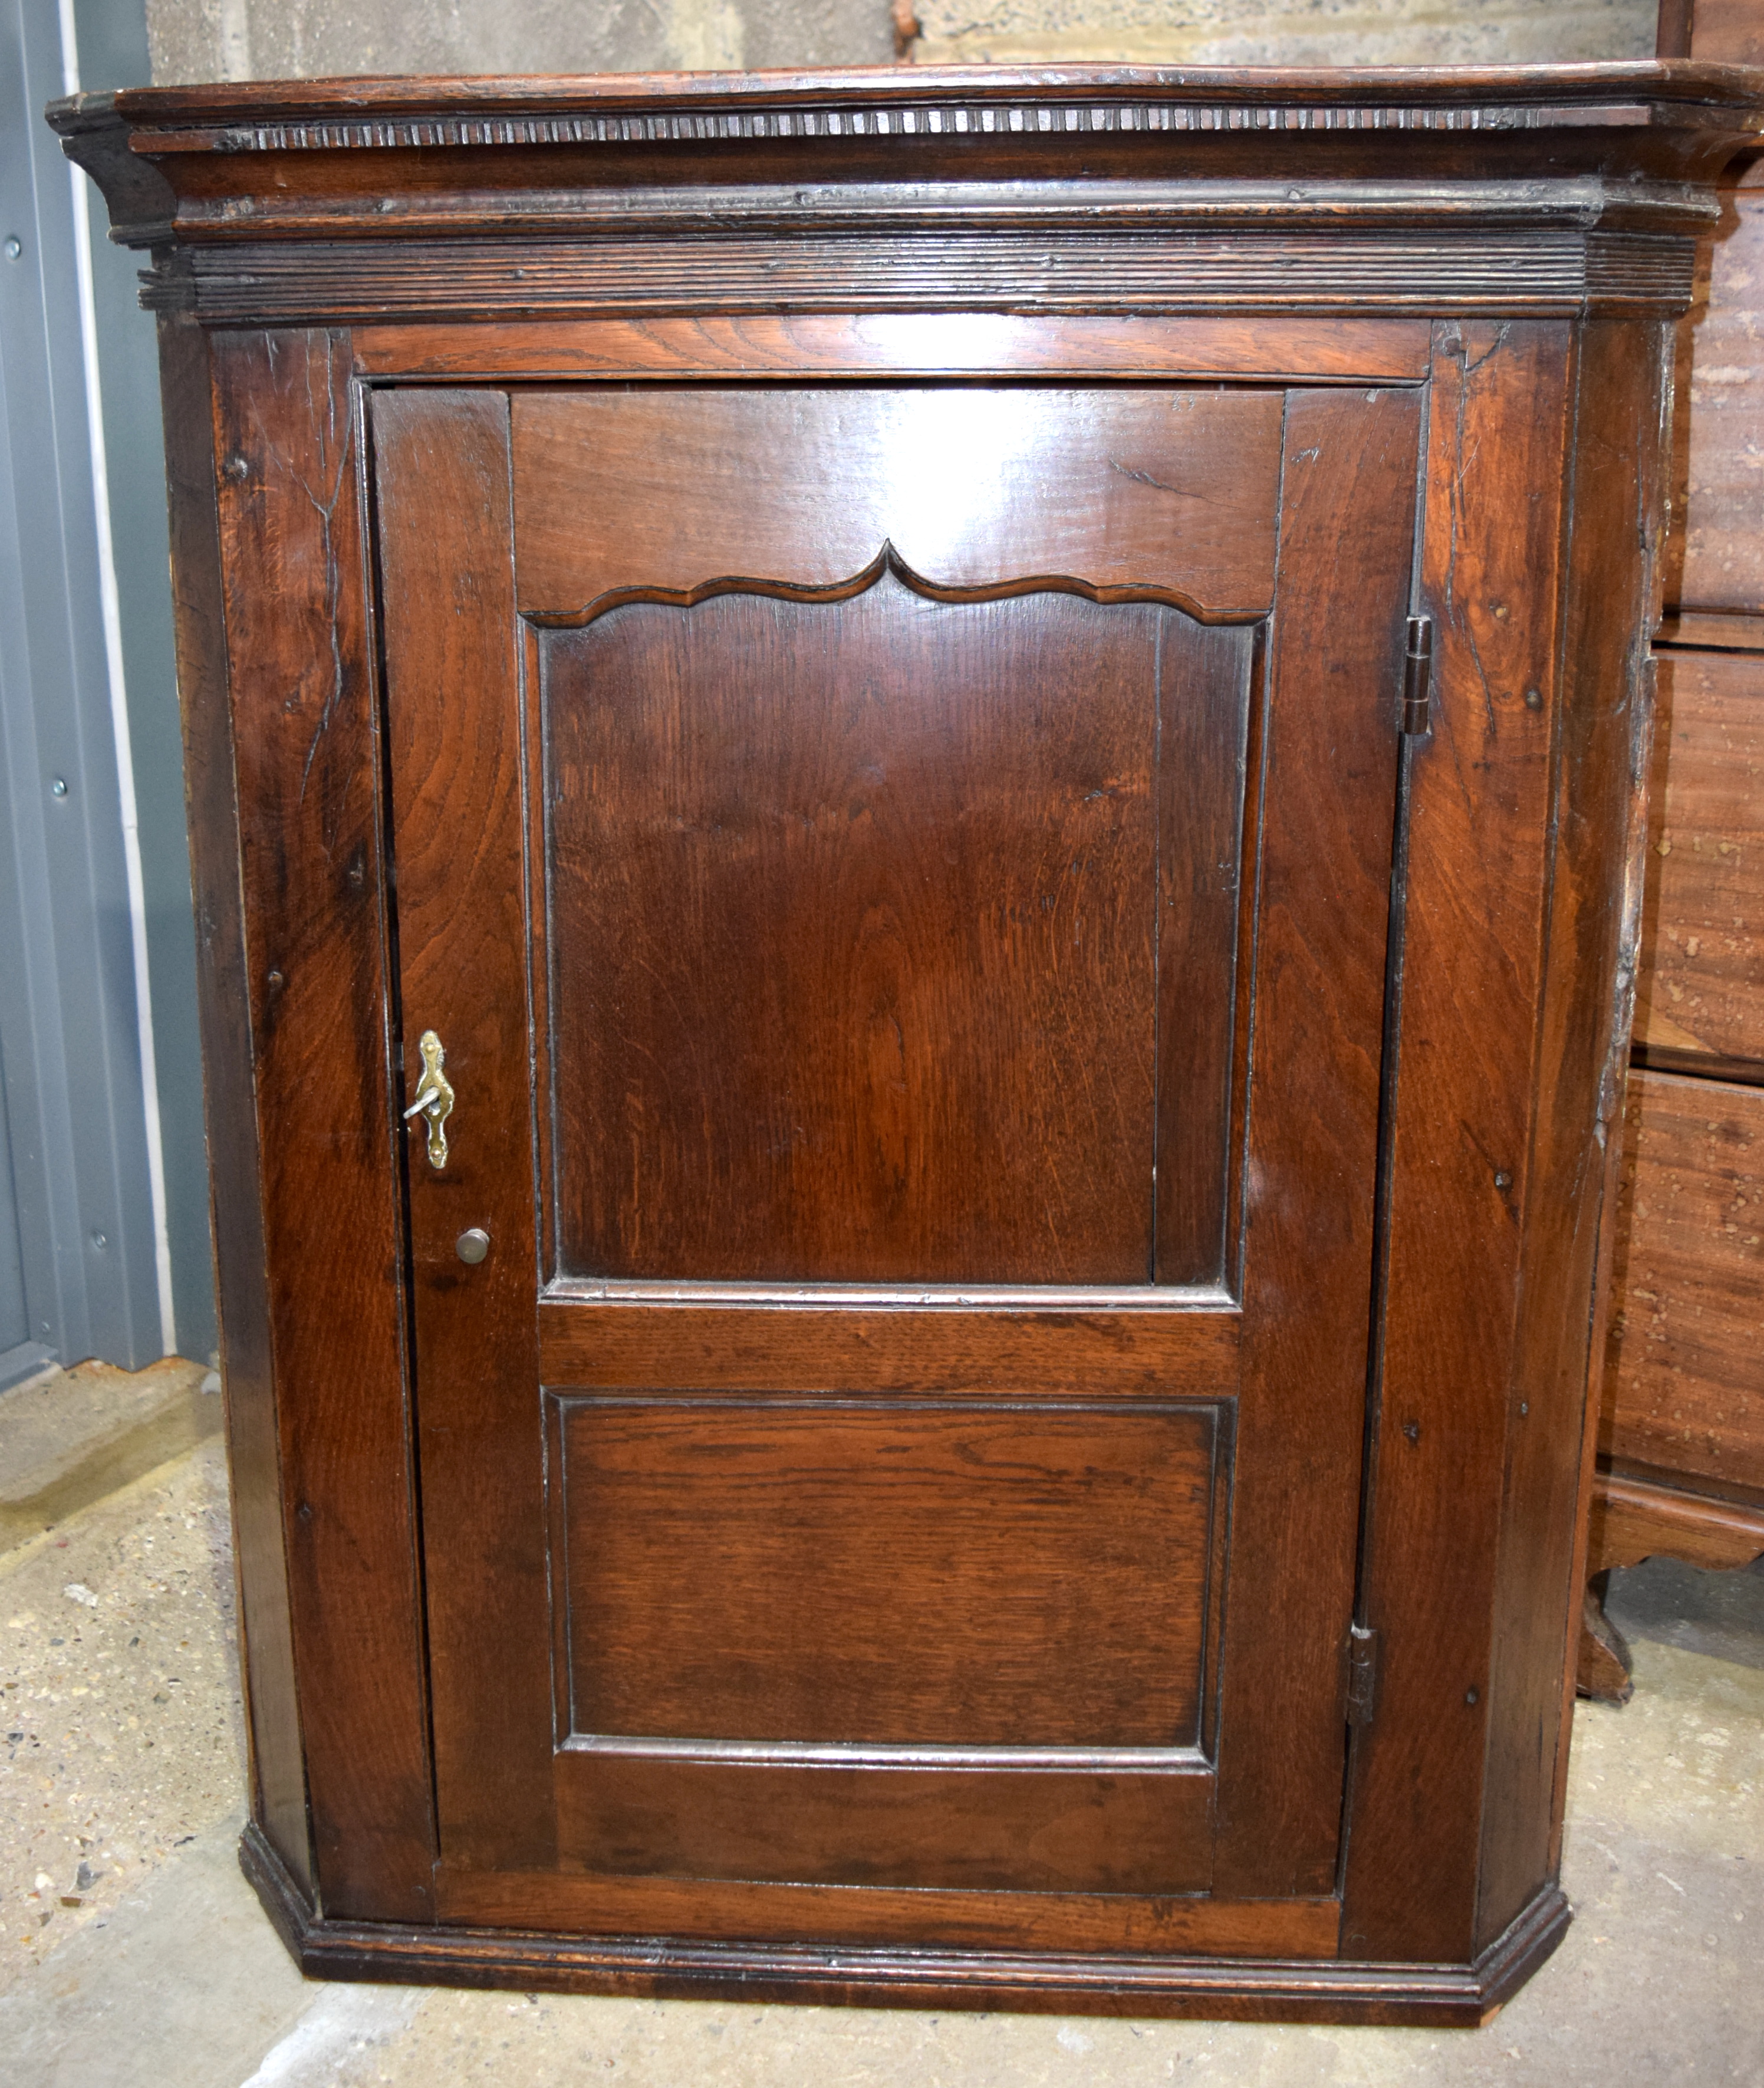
(435, 1097)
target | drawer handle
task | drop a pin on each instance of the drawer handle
(435, 1097)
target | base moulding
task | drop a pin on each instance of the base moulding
(868, 1975)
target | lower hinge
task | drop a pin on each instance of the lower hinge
(1362, 1674)
(1418, 677)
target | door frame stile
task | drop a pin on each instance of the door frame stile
(1390, 1070)
(373, 651)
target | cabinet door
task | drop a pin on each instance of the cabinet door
(900, 877)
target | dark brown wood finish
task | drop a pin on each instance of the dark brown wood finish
(1149, 1922)
(1205, 337)
(1636, 1519)
(975, 1096)
(897, 345)
(1160, 1972)
(870, 1346)
(1687, 1390)
(862, 1827)
(1610, 598)
(458, 805)
(709, 1558)
(1350, 468)
(304, 759)
(1698, 1010)
(1463, 1135)
(268, 1655)
(988, 780)
(1120, 495)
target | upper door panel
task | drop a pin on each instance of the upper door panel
(893, 826)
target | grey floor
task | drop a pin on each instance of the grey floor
(132, 1952)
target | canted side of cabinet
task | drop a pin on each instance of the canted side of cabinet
(918, 954)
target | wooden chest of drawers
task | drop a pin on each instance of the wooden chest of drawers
(913, 796)
(1682, 1438)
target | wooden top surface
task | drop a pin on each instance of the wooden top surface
(1655, 91)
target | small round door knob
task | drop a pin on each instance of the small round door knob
(472, 1245)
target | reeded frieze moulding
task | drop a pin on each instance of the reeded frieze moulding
(314, 282)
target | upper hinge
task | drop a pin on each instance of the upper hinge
(1418, 676)
(1362, 1674)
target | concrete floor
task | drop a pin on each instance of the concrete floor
(134, 1955)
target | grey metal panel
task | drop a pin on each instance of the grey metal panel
(14, 1320)
(68, 1036)
(112, 37)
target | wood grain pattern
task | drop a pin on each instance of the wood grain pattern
(1700, 996)
(987, 905)
(1634, 1519)
(912, 1345)
(1467, 1041)
(679, 283)
(1326, 761)
(276, 1760)
(598, 1954)
(905, 344)
(530, 156)
(1710, 631)
(863, 1827)
(943, 1070)
(1211, 698)
(1255, 266)
(1346, 546)
(304, 756)
(458, 806)
(1714, 557)
(1149, 1924)
(1437, 95)
(1610, 601)
(1686, 1381)
(1154, 494)
(962, 1577)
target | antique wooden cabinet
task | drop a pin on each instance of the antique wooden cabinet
(913, 796)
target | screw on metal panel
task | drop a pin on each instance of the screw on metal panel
(100, 1240)
(59, 788)
(15, 246)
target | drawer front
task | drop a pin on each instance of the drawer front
(1701, 991)
(1685, 1375)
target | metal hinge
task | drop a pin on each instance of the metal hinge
(1418, 676)
(1362, 1674)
